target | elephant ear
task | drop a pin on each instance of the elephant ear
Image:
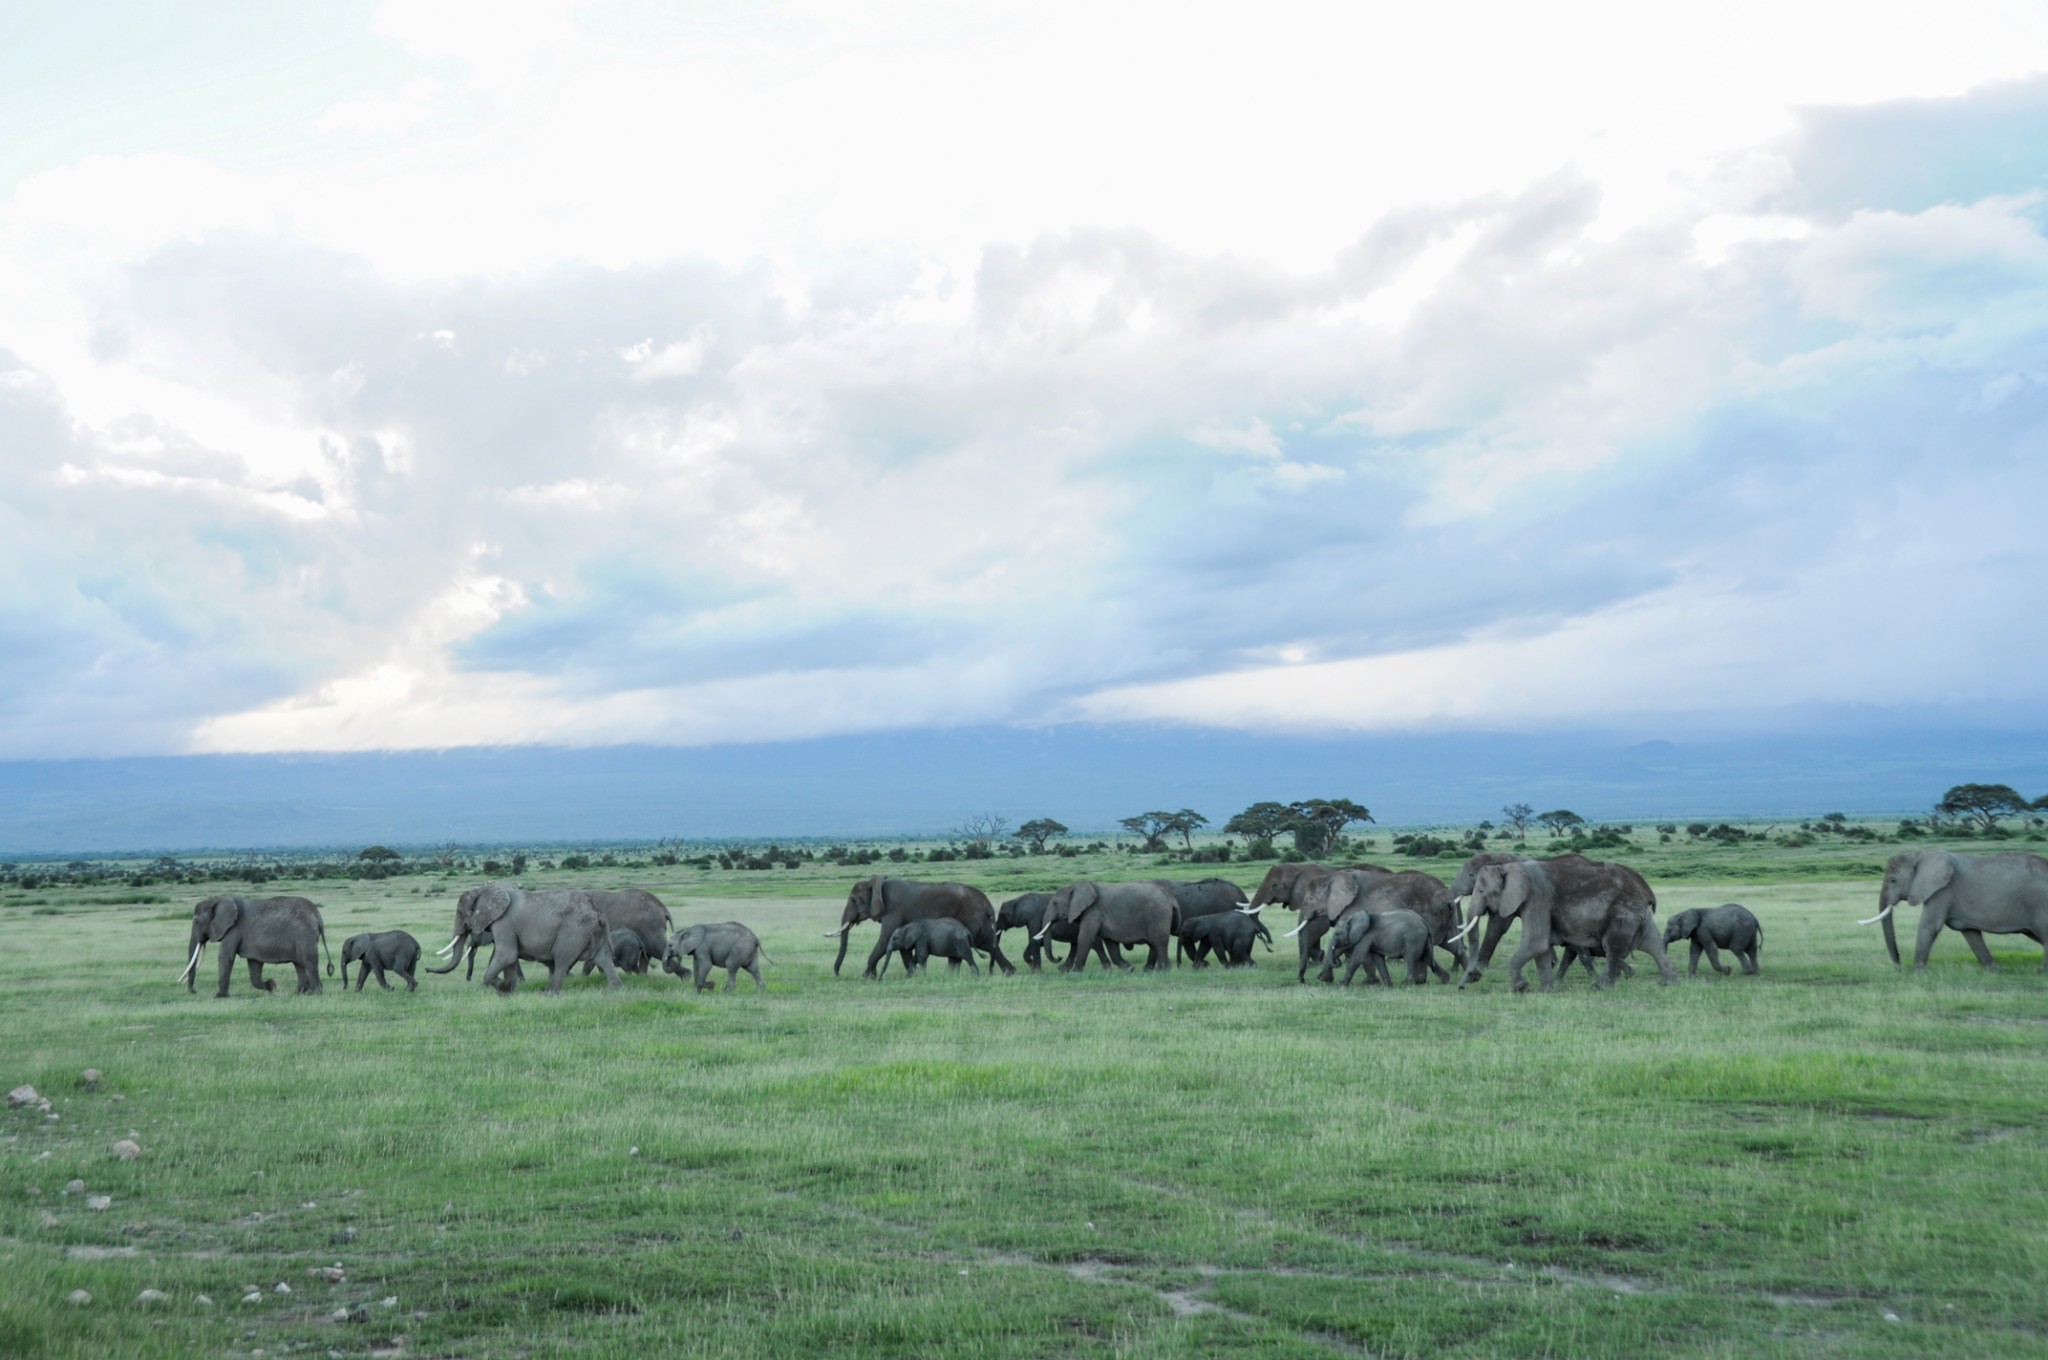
(1932, 872)
(878, 899)
(1339, 892)
(226, 911)
(492, 902)
(1085, 896)
(1515, 890)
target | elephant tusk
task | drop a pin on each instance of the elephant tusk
(1247, 909)
(834, 934)
(1879, 917)
(1041, 934)
(1466, 929)
(1296, 931)
(449, 948)
(193, 962)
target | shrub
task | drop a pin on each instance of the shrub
(897, 854)
(575, 861)
(1260, 848)
(493, 869)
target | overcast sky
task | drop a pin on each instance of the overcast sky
(435, 373)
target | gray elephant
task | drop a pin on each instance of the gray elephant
(1369, 938)
(554, 926)
(637, 910)
(628, 956)
(1731, 926)
(941, 937)
(1978, 895)
(1228, 935)
(1568, 900)
(1028, 912)
(1326, 900)
(1128, 913)
(261, 930)
(1287, 885)
(891, 902)
(386, 949)
(727, 944)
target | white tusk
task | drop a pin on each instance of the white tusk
(1296, 931)
(1466, 929)
(193, 962)
(448, 948)
(1041, 934)
(1879, 917)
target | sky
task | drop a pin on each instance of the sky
(432, 374)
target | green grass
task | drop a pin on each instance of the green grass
(1197, 1164)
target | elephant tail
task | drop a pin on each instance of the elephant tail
(324, 949)
(763, 955)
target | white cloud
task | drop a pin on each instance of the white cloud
(383, 115)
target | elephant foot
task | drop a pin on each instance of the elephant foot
(1520, 985)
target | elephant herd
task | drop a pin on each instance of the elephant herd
(559, 927)
(1369, 916)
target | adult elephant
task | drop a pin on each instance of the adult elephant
(1210, 897)
(1569, 900)
(1287, 885)
(1127, 913)
(261, 930)
(1327, 900)
(1461, 888)
(892, 902)
(1978, 895)
(554, 926)
(1027, 911)
(637, 910)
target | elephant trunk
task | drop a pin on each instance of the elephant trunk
(845, 933)
(1891, 937)
(454, 953)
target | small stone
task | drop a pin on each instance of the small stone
(309, 1204)
(391, 1302)
(252, 1298)
(99, 1203)
(632, 1152)
(74, 1187)
(78, 1297)
(1890, 1316)
(338, 1315)
(117, 1097)
(345, 1235)
(332, 1274)
(46, 1219)
(90, 1076)
(50, 1117)
(127, 1149)
(280, 1288)
(150, 1296)
(736, 1235)
(20, 1096)
(203, 1301)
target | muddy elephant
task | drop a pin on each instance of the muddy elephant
(639, 911)
(1327, 900)
(1127, 913)
(1369, 938)
(939, 937)
(394, 950)
(726, 944)
(261, 930)
(1568, 900)
(554, 926)
(1732, 927)
(891, 902)
(1978, 895)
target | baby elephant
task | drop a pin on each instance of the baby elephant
(728, 945)
(1373, 937)
(1732, 927)
(1227, 934)
(628, 954)
(917, 941)
(393, 949)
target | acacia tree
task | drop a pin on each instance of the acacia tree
(1037, 832)
(981, 831)
(1262, 822)
(1560, 822)
(1155, 827)
(1518, 817)
(1983, 804)
(1330, 815)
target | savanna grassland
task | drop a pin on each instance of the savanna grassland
(1833, 1158)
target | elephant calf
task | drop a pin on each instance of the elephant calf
(916, 941)
(728, 945)
(1731, 926)
(392, 949)
(1370, 938)
(628, 954)
(1228, 935)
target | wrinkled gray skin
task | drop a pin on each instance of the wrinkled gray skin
(261, 930)
(1285, 886)
(637, 910)
(1327, 900)
(1028, 913)
(1228, 935)
(1567, 900)
(726, 944)
(1128, 913)
(1731, 927)
(1210, 897)
(891, 902)
(1369, 938)
(940, 937)
(1978, 895)
(554, 926)
(627, 954)
(392, 949)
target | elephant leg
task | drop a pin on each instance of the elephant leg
(257, 980)
(605, 965)
(380, 977)
(1692, 969)
(1714, 959)
(974, 970)
(1088, 940)
(1539, 952)
(1496, 927)
(227, 970)
(1310, 940)
(732, 976)
(1930, 926)
(700, 969)
(754, 967)
(1417, 974)
(1329, 971)
(1031, 952)
(558, 973)
(1975, 939)
(875, 956)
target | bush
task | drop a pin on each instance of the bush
(1260, 848)
(941, 855)
(575, 861)
(1210, 854)
(897, 854)
(493, 869)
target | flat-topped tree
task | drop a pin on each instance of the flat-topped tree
(1561, 822)
(1983, 804)
(1037, 832)
(1155, 827)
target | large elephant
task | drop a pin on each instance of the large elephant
(1211, 897)
(637, 910)
(1128, 913)
(1287, 885)
(554, 926)
(1569, 900)
(1461, 888)
(1326, 900)
(1978, 895)
(261, 930)
(1027, 912)
(891, 902)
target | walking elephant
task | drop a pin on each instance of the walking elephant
(1326, 901)
(1732, 927)
(1369, 938)
(554, 926)
(1979, 895)
(261, 930)
(1568, 900)
(939, 937)
(637, 910)
(1229, 935)
(892, 902)
(1128, 913)
(1027, 912)
(1212, 897)
(392, 949)
(628, 954)
(728, 945)
(1287, 885)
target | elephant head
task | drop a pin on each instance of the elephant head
(1681, 926)
(212, 919)
(681, 945)
(353, 948)
(866, 902)
(475, 911)
(1502, 889)
(1327, 898)
(1912, 877)
(1068, 904)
